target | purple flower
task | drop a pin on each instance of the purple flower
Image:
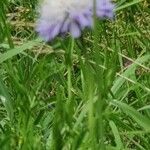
(104, 8)
(63, 16)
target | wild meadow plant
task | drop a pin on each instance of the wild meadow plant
(59, 17)
(83, 84)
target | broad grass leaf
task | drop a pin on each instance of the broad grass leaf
(128, 73)
(115, 131)
(128, 5)
(134, 114)
(17, 50)
(5, 98)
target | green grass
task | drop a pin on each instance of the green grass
(88, 93)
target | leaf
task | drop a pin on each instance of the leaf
(116, 135)
(128, 75)
(9, 54)
(5, 98)
(128, 5)
(134, 114)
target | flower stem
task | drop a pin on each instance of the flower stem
(69, 66)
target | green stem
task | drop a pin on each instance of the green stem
(6, 26)
(69, 66)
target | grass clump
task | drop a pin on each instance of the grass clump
(89, 93)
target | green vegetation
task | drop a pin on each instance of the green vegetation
(88, 93)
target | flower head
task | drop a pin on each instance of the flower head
(62, 16)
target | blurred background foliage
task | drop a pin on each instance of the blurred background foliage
(88, 93)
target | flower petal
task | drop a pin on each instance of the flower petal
(74, 29)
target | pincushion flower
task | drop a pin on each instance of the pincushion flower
(62, 16)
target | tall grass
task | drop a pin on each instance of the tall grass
(87, 93)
